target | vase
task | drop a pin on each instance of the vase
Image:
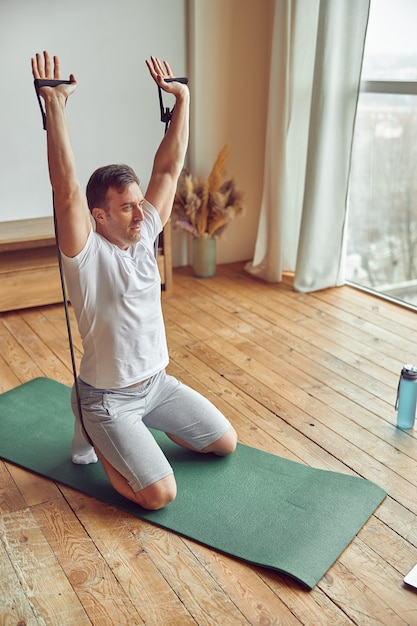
(204, 257)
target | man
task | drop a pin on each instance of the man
(114, 287)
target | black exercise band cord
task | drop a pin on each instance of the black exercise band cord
(166, 115)
(69, 330)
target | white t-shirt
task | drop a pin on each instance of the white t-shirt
(116, 295)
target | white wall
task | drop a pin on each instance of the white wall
(114, 113)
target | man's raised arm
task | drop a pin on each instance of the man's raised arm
(71, 208)
(169, 158)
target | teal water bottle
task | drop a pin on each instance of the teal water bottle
(407, 397)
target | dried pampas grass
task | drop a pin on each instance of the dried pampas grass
(205, 207)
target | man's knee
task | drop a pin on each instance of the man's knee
(157, 495)
(225, 445)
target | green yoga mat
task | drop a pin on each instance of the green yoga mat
(252, 505)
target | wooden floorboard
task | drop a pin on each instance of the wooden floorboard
(310, 377)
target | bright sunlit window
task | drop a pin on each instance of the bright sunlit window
(382, 211)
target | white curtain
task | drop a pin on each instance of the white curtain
(315, 71)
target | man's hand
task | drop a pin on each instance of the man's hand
(42, 68)
(73, 217)
(159, 70)
(169, 158)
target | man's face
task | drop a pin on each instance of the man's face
(121, 222)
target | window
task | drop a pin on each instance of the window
(382, 207)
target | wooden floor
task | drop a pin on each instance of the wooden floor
(311, 378)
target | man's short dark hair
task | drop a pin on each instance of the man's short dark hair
(118, 176)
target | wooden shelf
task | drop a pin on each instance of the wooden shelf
(29, 271)
(22, 234)
(29, 277)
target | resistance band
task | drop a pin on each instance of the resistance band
(166, 115)
(39, 83)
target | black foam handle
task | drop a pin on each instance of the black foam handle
(181, 79)
(49, 82)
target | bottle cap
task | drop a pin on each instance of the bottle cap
(409, 372)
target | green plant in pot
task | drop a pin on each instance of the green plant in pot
(204, 208)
